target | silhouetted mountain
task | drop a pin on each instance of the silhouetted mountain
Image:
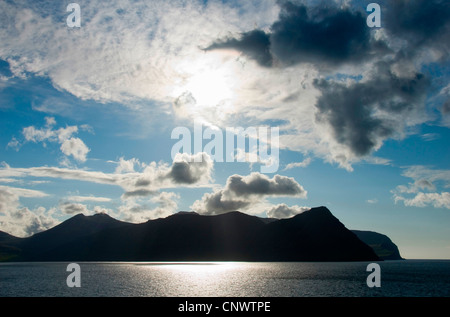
(315, 235)
(8, 246)
(381, 244)
(6, 236)
(73, 229)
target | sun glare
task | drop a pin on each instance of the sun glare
(210, 81)
(210, 88)
(199, 268)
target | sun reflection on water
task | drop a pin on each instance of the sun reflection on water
(193, 278)
(198, 267)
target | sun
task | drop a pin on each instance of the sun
(210, 87)
(210, 81)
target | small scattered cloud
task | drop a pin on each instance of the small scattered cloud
(8, 180)
(437, 200)
(303, 163)
(426, 188)
(430, 136)
(70, 208)
(139, 193)
(75, 147)
(70, 146)
(88, 198)
(13, 144)
(127, 166)
(283, 211)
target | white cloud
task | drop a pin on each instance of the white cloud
(76, 148)
(14, 144)
(21, 221)
(73, 206)
(138, 210)
(124, 50)
(303, 163)
(23, 192)
(8, 180)
(153, 177)
(426, 188)
(70, 146)
(88, 198)
(437, 200)
(126, 166)
(60, 173)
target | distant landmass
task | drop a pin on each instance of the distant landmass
(314, 235)
(380, 243)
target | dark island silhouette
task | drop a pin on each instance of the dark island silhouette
(314, 235)
(380, 243)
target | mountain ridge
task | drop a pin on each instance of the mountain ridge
(314, 235)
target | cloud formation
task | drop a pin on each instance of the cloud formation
(277, 61)
(190, 169)
(21, 221)
(427, 188)
(362, 115)
(70, 146)
(153, 176)
(421, 23)
(370, 87)
(140, 209)
(303, 163)
(242, 192)
(254, 44)
(320, 35)
(143, 198)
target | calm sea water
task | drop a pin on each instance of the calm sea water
(224, 279)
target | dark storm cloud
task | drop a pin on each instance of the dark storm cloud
(323, 34)
(254, 44)
(421, 22)
(351, 110)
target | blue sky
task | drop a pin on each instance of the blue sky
(363, 113)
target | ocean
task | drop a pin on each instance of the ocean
(409, 278)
